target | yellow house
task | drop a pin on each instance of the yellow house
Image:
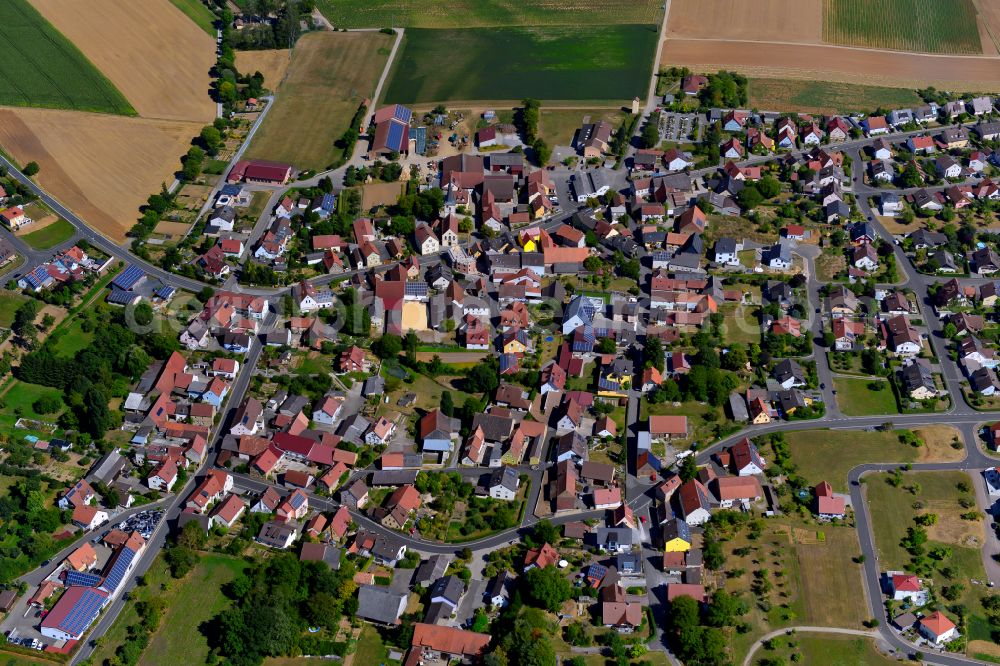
(530, 244)
(515, 342)
(676, 536)
(760, 412)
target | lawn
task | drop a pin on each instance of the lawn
(827, 650)
(551, 63)
(481, 13)
(856, 399)
(803, 565)
(58, 232)
(559, 126)
(330, 75)
(72, 339)
(826, 97)
(371, 649)
(741, 323)
(197, 12)
(42, 68)
(194, 600)
(20, 397)
(828, 455)
(928, 26)
(9, 303)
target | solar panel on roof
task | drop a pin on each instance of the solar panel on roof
(82, 579)
(119, 569)
(402, 113)
(397, 132)
(84, 612)
(416, 288)
(120, 297)
(165, 292)
(128, 278)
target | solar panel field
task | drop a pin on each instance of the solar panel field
(550, 63)
(40, 67)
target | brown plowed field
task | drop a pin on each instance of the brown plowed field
(833, 63)
(766, 20)
(271, 63)
(101, 167)
(155, 55)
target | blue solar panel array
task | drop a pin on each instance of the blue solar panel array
(128, 277)
(416, 288)
(37, 277)
(420, 134)
(402, 113)
(83, 613)
(119, 569)
(165, 292)
(397, 134)
(120, 296)
(82, 579)
(297, 500)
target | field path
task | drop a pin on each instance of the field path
(651, 97)
(747, 660)
(360, 148)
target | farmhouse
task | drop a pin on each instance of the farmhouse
(392, 131)
(260, 171)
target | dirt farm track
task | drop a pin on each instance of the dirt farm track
(102, 167)
(834, 63)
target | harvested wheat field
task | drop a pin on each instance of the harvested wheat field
(989, 25)
(101, 167)
(331, 73)
(767, 20)
(272, 63)
(154, 54)
(835, 63)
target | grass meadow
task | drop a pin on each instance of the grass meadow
(481, 13)
(42, 68)
(926, 26)
(828, 455)
(856, 399)
(548, 63)
(10, 301)
(58, 232)
(197, 12)
(825, 97)
(893, 511)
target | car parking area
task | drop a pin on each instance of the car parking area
(678, 127)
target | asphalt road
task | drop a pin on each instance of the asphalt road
(172, 510)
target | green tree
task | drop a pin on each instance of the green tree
(689, 468)
(31, 169)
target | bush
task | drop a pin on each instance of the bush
(47, 404)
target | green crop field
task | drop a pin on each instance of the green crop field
(480, 13)
(927, 26)
(826, 96)
(555, 63)
(197, 12)
(40, 67)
